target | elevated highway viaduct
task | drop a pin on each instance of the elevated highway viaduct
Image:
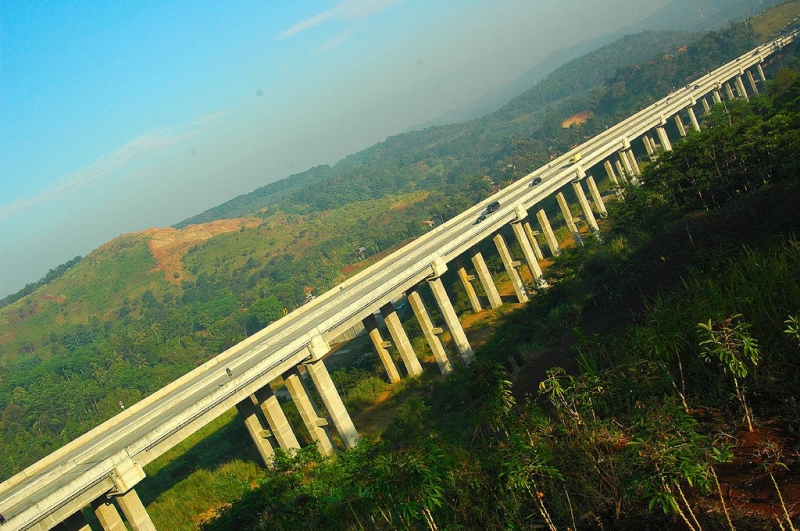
(101, 468)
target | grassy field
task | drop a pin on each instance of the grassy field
(771, 22)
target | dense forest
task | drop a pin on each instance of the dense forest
(677, 407)
(113, 328)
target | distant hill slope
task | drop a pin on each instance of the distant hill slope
(397, 155)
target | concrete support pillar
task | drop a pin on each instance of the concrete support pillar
(530, 256)
(729, 91)
(400, 339)
(430, 331)
(626, 163)
(308, 412)
(486, 278)
(761, 72)
(634, 163)
(247, 410)
(648, 146)
(511, 266)
(451, 319)
(740, 88)
(569, 219)
(333, 403)
(75, 522)
(596, 198)
(716, 96)
(693, 119)
(549, 235)
(371, 325)
(531, 234)
(620, 169)
(276, 418)
(466, 281)
(610, 171)
(587, 210)
(664, 139)
(107, 514)
(752, 81)
(706, 106)
(134, 511)
(679, 123)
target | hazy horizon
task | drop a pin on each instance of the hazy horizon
(117, 119)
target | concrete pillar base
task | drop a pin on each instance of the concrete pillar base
(276, 418)
(107, 514)
(596, 197)
(466, 281)
(569, 219)
(451, 319)
(247, 411)
(693, 119)
(429, 330)
(610, 172)
(662, 136)
(752, 81)
(549, 235)
(679, 123)
(511, 268)
(537, 251)
(134, 511)
(333, 403)
(530, 256)
(486, 278)
(308, 412)
(400, 339)
(371, 325)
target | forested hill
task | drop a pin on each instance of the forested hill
(478, 145)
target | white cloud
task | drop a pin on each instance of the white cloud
(347, 10)
(106, 165)
(336, 41)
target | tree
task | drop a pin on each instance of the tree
(262, 313)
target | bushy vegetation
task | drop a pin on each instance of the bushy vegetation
(681, 334)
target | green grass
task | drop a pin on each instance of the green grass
(207, 470)
(770, 22)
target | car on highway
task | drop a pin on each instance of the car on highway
(575, 158)
(536, 180)
(480, 218)
(494, 206)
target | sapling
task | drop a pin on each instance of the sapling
(729, 343)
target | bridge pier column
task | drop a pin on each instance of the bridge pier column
(549, 235)
(134, 511)
(647, 145)
(400, 340)
(276, 418)
(626, 163)
(761, 72)
(511, 266)
(752, 82)
(529, 232)
(530, 256)
(466, 281)
(693, 119)
(308, 412)
(621, 170)
(429, 330)
(679, 123)
(258, 433)
(75, 522)
(634, 164)
(587, 210)
(729, 91)
(662, 136)
(740, 88)
(333, 403)
(610, 171)
(596, 197)
(449, 314)
(715, 94)
(569, 219)
(371, 325)
(706, 106)
(107, 514)
(486, 278)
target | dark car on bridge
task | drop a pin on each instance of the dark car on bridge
(536, 180)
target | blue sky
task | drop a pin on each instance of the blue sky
(120, 116)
